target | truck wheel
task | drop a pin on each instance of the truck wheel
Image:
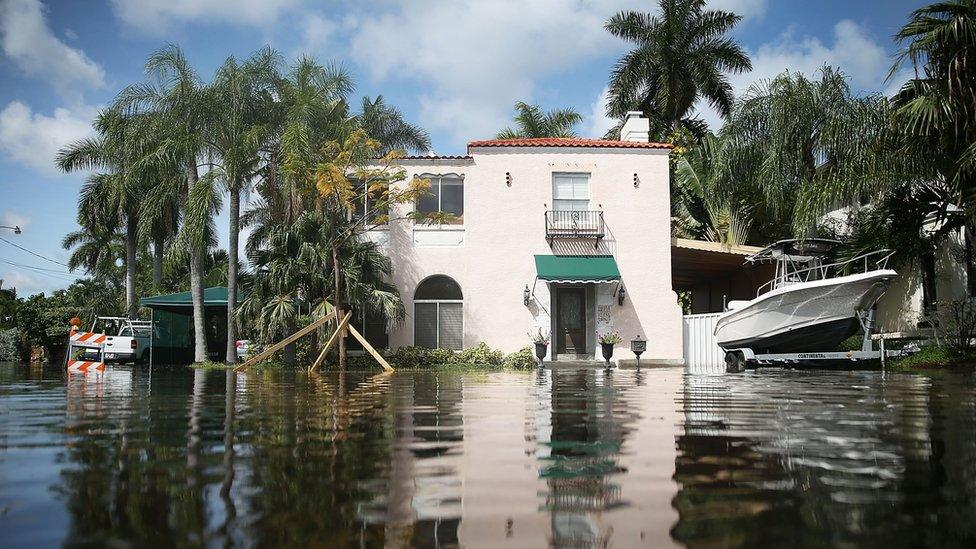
(735, 362)
(144, 358)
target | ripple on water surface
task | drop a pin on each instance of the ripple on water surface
(564, 457)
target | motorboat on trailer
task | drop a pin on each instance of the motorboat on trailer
(808, 308)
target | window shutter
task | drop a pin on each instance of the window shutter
(451, 326)
(425, 325)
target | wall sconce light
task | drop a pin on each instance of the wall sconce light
(636, 181)
(621, 293)
(508, 179)
(526, 295)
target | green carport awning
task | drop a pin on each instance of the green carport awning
(569, 268)
(211, 297)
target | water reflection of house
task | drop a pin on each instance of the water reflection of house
(586, 434)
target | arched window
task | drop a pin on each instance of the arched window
(438, 313)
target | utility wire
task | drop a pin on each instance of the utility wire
(35, 267)
(32, 252)
(33, 270)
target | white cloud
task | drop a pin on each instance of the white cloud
(156, 16)
(27, 285)
(853, 51)
(34, 138)
(13, 219)
(317, 31)
(598, 121)
(32, 46)
(473, 60)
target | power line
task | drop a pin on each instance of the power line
(56, 271)
(32, 252)
(57, 275)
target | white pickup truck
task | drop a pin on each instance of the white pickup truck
(126, 340)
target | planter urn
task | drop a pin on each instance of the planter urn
(607, 349)
(541, 350)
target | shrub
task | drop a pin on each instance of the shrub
(10, 345)
(957, 318)
(523, 359)
(481, 355)
(935, 356)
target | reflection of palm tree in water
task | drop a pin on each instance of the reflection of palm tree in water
(587, 431)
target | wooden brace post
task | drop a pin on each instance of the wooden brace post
(335, 337)
(369, 348)
(284, 342)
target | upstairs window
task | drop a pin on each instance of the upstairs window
(438, 314)
(445, 196)
(571, 192)
(366, 202)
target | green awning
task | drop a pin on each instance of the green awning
(569, 268)
(211, 297)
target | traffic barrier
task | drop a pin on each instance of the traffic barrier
(88, 339)
(85, 366)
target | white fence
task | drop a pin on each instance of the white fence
(702, 353)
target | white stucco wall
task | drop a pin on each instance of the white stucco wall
(504, 227)
(900, 308)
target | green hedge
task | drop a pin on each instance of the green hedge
(417, 358)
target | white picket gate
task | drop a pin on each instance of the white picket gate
(702, 353)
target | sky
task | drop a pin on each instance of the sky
(455, 67)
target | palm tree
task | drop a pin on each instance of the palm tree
(386, 124)
(703, 206)
(936, 109)
(682, 55)
(236, 139)
(182, 108)
(110, 198)
(95, 250)
(530, 121)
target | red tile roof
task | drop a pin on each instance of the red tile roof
(568, 142)
(436, 157)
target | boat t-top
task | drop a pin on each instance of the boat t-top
(809, 307)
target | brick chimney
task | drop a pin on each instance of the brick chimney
(635, 128)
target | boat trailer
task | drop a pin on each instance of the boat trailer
(737, 360)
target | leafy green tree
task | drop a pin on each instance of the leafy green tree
(681, 56)
(805, 146)
(531, 121)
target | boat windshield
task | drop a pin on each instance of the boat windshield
(799, 261)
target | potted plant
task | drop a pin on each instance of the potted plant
(541, 342)
(607, 341)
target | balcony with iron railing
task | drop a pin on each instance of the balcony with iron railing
(575, 224)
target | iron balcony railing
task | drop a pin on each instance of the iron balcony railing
(575, 224)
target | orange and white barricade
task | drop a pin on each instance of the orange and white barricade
(86, 341)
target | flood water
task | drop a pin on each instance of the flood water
(567, 458)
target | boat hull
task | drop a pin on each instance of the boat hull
(804, 317)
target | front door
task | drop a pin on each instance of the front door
(570, 321)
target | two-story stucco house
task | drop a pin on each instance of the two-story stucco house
(567, 236)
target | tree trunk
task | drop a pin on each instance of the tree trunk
(196, 286)
(233, 234)
(157, 262)
(131, 240)
(338, 304)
